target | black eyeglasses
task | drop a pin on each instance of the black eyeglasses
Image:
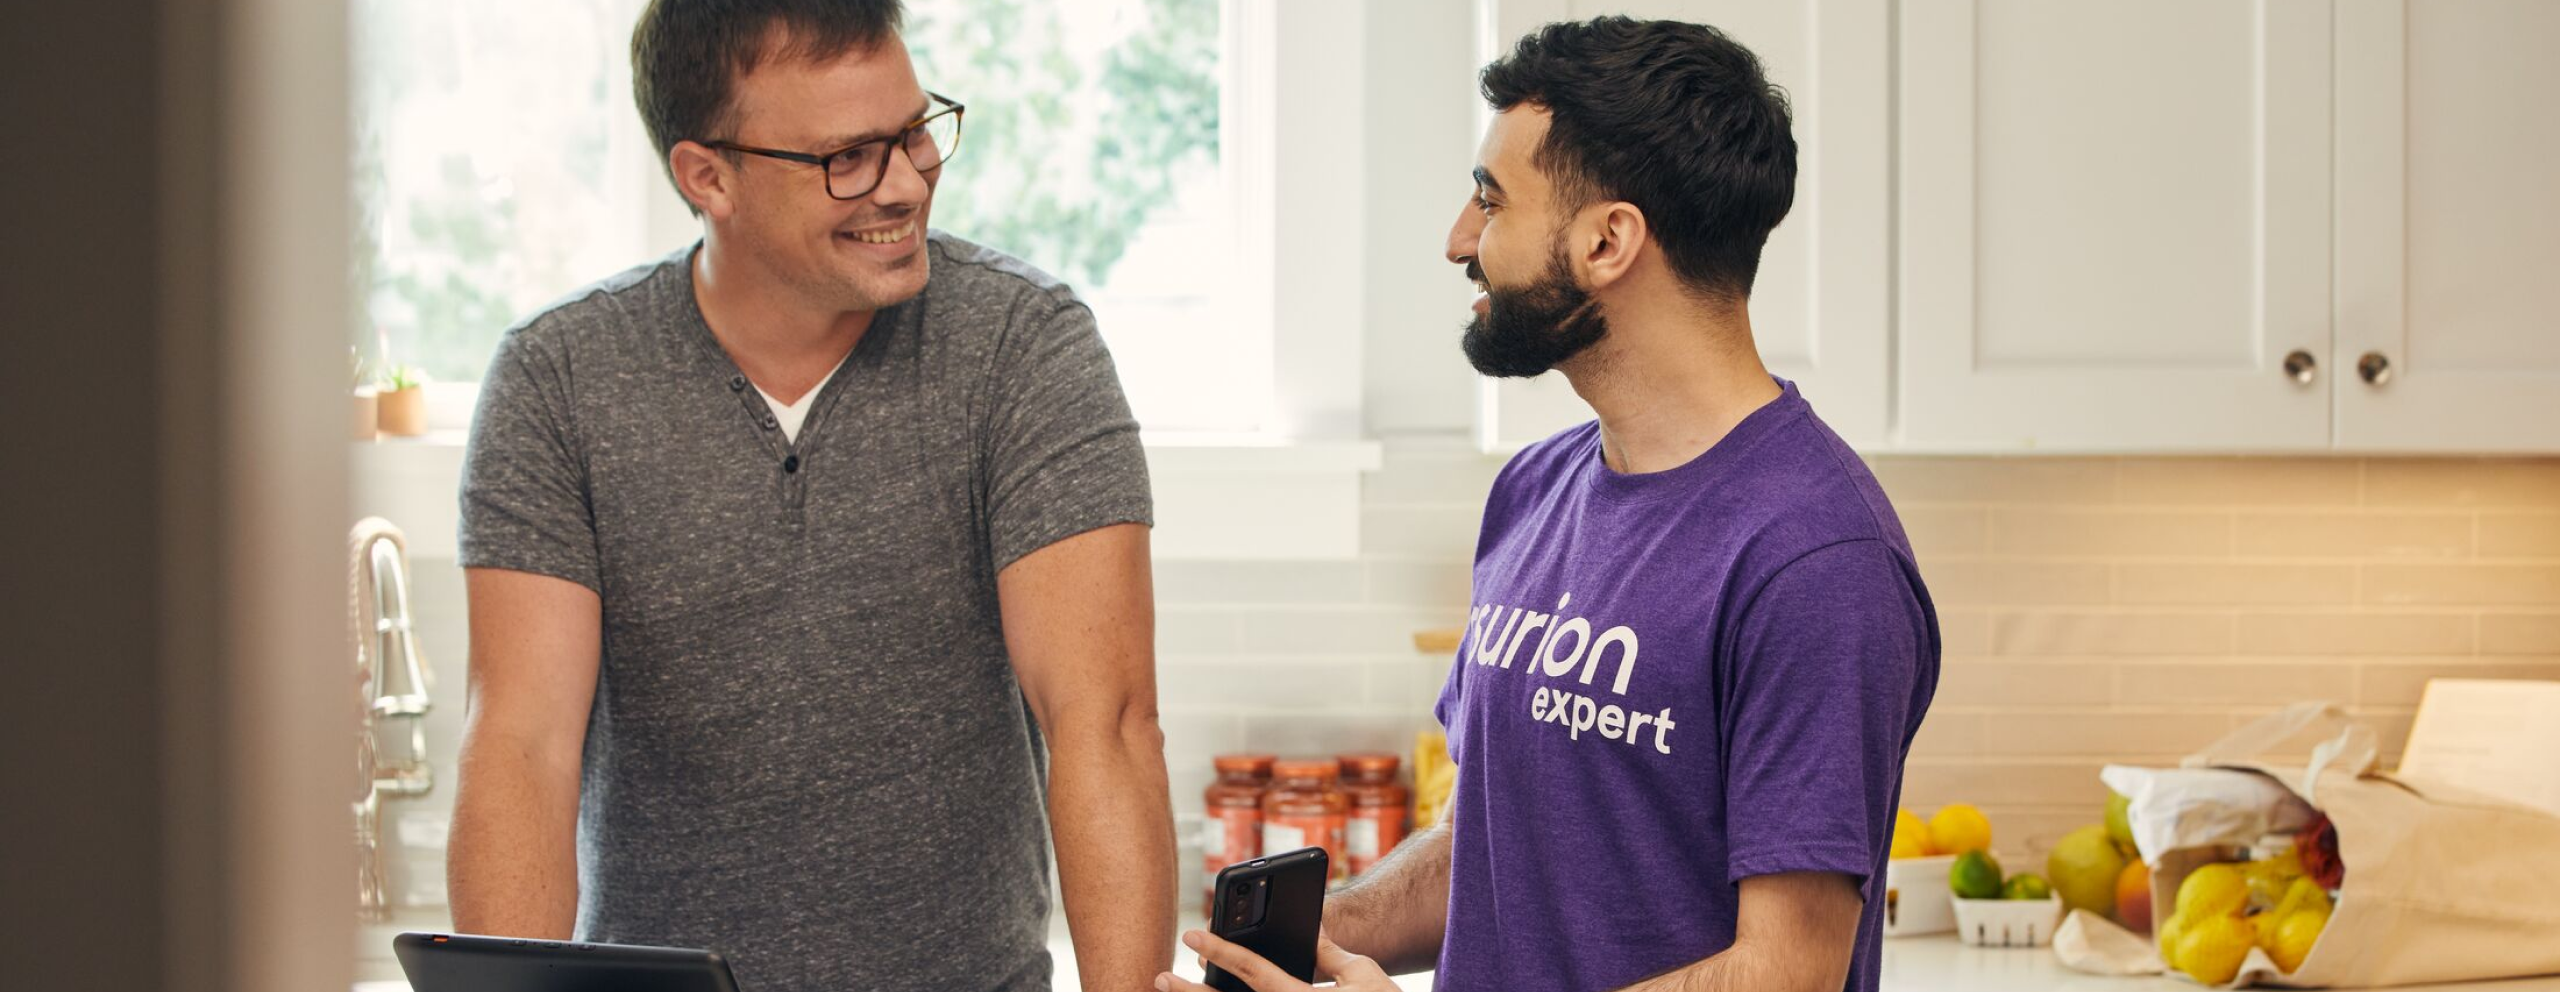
(855, 170)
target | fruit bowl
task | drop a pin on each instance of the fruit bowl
(1915, 896)
(2008, 922)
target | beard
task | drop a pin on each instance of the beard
(1526, 331)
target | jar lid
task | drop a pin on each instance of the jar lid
(1370, 764)
(1305, 768)
(1244, 764)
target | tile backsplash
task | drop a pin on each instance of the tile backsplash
(2094, 610)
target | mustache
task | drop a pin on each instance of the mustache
(1475, 272)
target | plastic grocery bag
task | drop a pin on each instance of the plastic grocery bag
(2175, 808)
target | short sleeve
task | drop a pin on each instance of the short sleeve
(1819, 699)
(1446, 708)
(1063, 455)
(524, 491)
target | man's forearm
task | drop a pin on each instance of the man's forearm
(1398, 912)
(1726, 972)
(1111, 818)
(512, 866)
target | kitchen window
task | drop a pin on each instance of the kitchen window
(499, 164)
(1193, 167)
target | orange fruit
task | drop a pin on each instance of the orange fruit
(2133, 897)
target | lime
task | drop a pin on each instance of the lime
(1975, 876)
(2026, 885)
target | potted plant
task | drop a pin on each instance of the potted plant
(366, 422)
(401, 394)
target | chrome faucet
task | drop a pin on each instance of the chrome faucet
(392, 683)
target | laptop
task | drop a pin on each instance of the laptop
(453, 962)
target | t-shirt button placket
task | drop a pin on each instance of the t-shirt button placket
(737, 383)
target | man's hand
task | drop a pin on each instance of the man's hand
(1351, 972)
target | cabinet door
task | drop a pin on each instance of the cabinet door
(1818, 305)
(2114, 224)
(2449, 225)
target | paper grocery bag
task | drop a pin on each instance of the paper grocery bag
(2441, 885)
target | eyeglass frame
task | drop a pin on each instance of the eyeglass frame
(950, 108)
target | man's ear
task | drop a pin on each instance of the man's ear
(705, 178)
(1615, 239)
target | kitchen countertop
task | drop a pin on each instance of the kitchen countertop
(1943, 964)
(1911, 964)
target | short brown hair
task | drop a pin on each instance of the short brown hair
(687, 55)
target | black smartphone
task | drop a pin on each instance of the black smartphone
(1271, 906)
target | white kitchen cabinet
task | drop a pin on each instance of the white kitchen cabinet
(2149, 225)
(1818, 306)
(2114, 225)
(2448, 226)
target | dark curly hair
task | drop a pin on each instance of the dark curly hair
(687, 55)
(1675, 118)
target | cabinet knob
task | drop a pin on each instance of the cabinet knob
(2374, 368)
(2301, 367)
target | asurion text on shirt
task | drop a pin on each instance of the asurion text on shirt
(1566, 649)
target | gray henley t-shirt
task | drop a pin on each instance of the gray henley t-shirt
(808, 750)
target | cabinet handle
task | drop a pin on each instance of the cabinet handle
(2301, 367)
(2374, 368)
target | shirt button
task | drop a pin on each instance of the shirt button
(770, 423)
(791, 463)
(737, 384)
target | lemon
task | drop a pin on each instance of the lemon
(1959, 828)
(2171, 934)
(1975, 876)
(2302, 895)
(2218, 889)
(2269, 878)
(2294, 935)
(1910, 836)
(2026, 885)
(2213, 947)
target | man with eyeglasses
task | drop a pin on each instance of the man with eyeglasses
(804, 564)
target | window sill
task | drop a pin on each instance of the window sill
(1218, 496)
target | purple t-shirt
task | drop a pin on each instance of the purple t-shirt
(1672, 682)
